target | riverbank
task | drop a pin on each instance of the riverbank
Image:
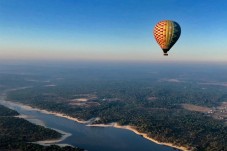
(31, 119)
(133, 129)
(55, 141)
(41, 123)
(88, 123)
(27, 107)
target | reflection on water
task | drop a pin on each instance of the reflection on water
(90, 138)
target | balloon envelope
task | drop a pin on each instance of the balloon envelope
(167, 33)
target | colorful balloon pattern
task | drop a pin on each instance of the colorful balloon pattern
(167, 33)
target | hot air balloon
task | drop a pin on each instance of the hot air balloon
(167, 33)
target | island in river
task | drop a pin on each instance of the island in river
(148, 98)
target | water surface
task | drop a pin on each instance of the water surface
(90, 138)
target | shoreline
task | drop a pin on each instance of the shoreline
(55, 141)
(31, 119)
(115, 125)
(144, 135)
(28, 118)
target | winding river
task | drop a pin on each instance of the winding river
(89, 138)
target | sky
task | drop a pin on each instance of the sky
(118, 30)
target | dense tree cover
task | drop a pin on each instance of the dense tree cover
(7, 112)
(148, 98)
(162, 118)
(35, 147)
(15, 133)
(22, 146)
(22, 130)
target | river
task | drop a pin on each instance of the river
(89, 138)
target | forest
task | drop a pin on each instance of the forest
(148, 98)
(17, 133)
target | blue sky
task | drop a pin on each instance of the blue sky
(111, 29)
